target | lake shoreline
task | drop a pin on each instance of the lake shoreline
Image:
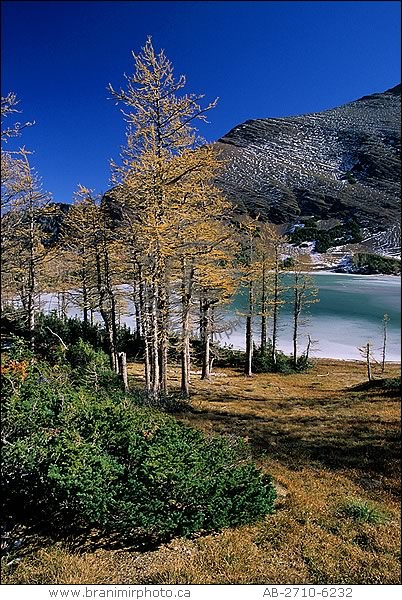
(349, 360)
(325, 271)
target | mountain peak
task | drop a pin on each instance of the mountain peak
(395, 90)
(341, 163)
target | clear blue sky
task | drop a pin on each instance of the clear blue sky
(263, 59)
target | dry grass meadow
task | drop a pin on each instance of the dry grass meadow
(332, 447)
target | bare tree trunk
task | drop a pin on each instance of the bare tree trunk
(145, 331)
(296, 314)
(31, 284)
(206, 339)
(164, 335)
(154, 338)
(112, 303)
(137, 312)
(114, 330)
(58, 337)
(31, 320)
(84, 275)
(249, 332)
(368, 361)
(85, 301)
(123, 369)
(105, 315)
(295, 334)
(206, 362)
(185, 375)
(63, 306)
(308, 346)
(111, 350)
(202, 319)
(59, 311)
(263, 313)
(110, 327)
(186, 294)
(384, 342)
(275, 318)
(185, 371)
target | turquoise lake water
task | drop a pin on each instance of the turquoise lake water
(349, 314)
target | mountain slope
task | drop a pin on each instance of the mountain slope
(343, 163)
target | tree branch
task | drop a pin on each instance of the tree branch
(58, 337)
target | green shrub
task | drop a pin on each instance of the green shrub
(263, 363)
(346, 233)
(373, 263)
(19, 350)
(227, 356)
(303, 364)
(288, 263)
(166, 402)
(223, 355)
(81, 354)
(363, 512)
(129, 343)
(392, 383)
(75, 459)
(70, 330)
(91, 367)
(350, 177)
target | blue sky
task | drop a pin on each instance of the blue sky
(263, 59)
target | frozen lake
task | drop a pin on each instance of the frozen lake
(349, 314)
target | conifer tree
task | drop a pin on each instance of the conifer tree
(264, 278)
(216, 283)
(304, 293)
(90, 242)
(13, 163)
(24, 250)
(250, 271)
(13, 169)
(164, 190)
(262, 266)
(202, 242)
(274, 243)
(77, 246)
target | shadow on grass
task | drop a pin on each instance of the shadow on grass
(25, 540)
(390, 387)
(361, 442)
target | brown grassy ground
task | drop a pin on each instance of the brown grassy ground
(327, 446)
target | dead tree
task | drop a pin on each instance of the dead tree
(365, 351)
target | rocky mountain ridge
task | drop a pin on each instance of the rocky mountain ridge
(337, 168)
(342, 164)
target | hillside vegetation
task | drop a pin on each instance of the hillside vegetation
(371, 264)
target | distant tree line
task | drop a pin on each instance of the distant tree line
(345, 233)
(371, 264)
